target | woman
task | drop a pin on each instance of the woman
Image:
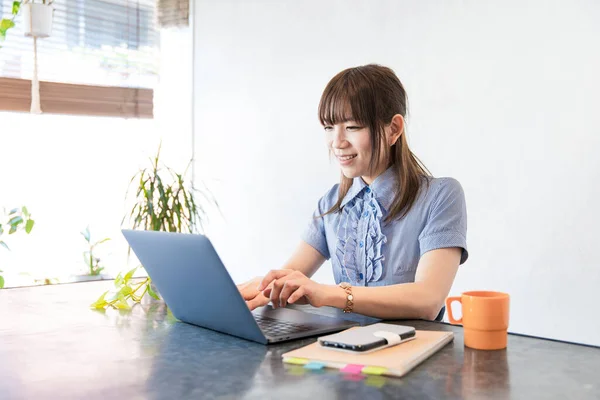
(394, 234)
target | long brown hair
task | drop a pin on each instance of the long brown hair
(371, 95)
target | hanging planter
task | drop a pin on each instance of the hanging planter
(37, 19)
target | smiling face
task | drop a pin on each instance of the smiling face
(350, 143)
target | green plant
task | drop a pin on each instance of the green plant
(125, 289)
(166, 204)
(15, 220)
(8, 23)
(89, 258)
(163, 201)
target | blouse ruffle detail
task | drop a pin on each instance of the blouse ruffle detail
(360, 240)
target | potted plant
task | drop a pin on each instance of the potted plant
(37, 18)
(17, 219)
(163, 201)
(94, 265)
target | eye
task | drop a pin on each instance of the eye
(328, 128)
(354, 128)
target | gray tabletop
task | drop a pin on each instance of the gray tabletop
(53, 346)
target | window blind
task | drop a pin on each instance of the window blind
(173, 13)
(102, 58)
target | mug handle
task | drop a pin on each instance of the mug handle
(449, 301)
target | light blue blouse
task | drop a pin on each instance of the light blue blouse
(366, 251)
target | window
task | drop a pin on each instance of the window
(116, 25)
(101, 59)
(73, 171)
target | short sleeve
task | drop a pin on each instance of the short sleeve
(447, 221)
(314, 234)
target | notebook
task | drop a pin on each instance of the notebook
(391, 361)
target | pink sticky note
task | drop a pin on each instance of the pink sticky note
(352, 368)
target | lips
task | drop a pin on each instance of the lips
(347, 157)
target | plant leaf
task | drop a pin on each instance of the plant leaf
(15, 7)
(121, 304)
(1, 282)
(86, 233)
(103, 295)
(125, 291)
(86, 259)
(102, 241)
(101, 302)
(5, 25)
(119, 280)
(4, 245)
(152, 292)
(25, 212)
(16, 220)
(129, 275)
(29, 225)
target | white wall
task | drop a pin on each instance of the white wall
(503, 96)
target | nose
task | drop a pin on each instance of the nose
(338, 140)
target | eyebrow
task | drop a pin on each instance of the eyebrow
(346, 119)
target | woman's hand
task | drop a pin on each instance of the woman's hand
(254, 297)
(283, 286)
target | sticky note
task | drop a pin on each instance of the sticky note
(374, 370)
(295, 370)
(352, 369)
(354, 377)
(314, 365)
(295, 360)
(376, 381)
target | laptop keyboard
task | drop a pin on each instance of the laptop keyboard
(275, 327)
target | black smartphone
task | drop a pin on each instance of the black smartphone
(368, 338)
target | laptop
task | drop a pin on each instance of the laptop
(195, 285)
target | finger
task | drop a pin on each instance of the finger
(297, 295)
(276, 290)
(273, 275)
(258, 301)
(248, 289)
(249, 293)
(289, 287)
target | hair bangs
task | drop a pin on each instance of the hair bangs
(343, 101)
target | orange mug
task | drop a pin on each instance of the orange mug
(484, 319)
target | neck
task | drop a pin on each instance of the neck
(369, 179)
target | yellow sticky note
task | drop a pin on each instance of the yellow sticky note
(376, 381)
(295, 360)
(374, 370)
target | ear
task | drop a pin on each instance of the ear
(395, 129)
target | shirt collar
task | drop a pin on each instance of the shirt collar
(384, 188)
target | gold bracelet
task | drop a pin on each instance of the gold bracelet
(349, 298)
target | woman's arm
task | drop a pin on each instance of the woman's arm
(422, 299)
(305, 259)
